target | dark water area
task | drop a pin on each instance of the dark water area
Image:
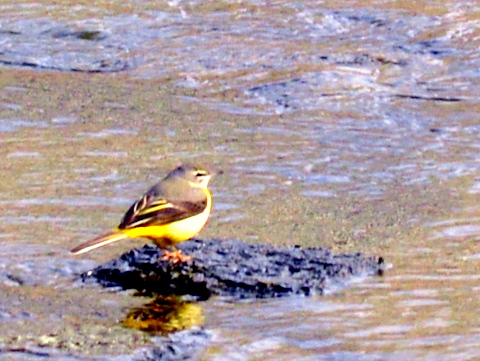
(351, 125)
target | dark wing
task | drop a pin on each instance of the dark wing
(151, 210)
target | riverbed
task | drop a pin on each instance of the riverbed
(353, 126)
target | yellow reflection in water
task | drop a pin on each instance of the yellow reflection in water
(165, 315)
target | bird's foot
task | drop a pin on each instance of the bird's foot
(175, 256)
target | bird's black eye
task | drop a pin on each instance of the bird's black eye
(201, 173)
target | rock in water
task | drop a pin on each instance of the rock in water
(234, 268)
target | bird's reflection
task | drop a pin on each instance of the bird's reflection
(165, 315)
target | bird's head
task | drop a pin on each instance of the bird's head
(195, 176)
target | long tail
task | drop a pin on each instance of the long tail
(98, 242)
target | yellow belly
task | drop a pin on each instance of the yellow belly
(169, 234)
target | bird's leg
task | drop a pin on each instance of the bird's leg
(175, 256)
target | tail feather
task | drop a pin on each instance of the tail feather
(98, 242)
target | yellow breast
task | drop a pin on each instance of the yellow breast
(174, 232)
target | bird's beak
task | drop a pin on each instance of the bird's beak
(215, 172)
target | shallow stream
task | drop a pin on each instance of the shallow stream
(353, 125)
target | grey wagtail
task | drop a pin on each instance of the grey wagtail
(172, 211)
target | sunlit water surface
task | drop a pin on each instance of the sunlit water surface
(354, 126)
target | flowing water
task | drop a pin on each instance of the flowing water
(353, 125)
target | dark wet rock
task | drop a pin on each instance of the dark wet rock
(234, 268)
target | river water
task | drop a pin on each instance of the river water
(353, 125)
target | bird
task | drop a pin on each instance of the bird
(172, 211)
